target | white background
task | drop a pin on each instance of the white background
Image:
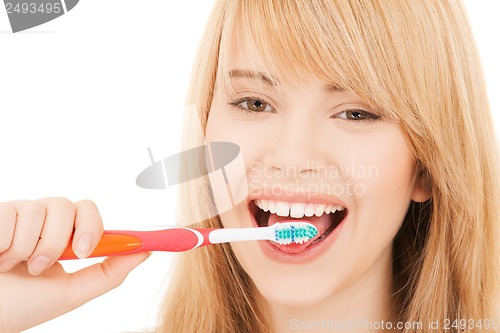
(81, 99)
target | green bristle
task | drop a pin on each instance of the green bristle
(295, 233)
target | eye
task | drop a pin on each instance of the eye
(252, 104)
(357, 115)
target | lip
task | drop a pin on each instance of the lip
(312, 252)
(296, 197)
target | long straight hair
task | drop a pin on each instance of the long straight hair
(416, 61)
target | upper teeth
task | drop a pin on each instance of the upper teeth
(296, 209)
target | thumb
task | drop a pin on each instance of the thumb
(93, 281)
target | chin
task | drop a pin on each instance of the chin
(296, 292)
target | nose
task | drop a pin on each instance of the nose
(295, 144)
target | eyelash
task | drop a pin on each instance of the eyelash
(236, 103)
(369, 117)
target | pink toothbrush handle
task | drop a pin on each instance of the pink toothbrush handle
(119, 242)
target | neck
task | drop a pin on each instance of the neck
(363, 306)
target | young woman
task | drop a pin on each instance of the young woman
(392, 95)
(367, 118)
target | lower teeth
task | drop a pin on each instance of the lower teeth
(327, 232)
(319, 239)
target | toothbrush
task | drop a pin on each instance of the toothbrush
(180, 239)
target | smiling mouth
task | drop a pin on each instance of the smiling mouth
(326, 218)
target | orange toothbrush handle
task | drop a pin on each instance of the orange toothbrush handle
(111, 243)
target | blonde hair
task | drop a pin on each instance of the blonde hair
(416, 61)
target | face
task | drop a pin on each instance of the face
(317, 153)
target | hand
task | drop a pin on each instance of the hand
(34, 287)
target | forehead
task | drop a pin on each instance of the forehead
(240, 60)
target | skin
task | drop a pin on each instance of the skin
(304, 128)
(34, 235)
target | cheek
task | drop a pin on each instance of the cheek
(230, 182)
(390, 174)
(223, 126)
(384, 183)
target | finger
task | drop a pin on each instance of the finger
(7, 225)
(98, 279)
(55, 234)
(88, 228)
(29, 223)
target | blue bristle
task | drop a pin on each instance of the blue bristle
(294, 233)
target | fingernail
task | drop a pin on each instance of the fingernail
(83, 246)
(7, 265)
(38, 265)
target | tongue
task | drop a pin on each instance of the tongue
(322, 223)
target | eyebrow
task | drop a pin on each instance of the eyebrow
(332, 87)
(252, 75)
(329, 87)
